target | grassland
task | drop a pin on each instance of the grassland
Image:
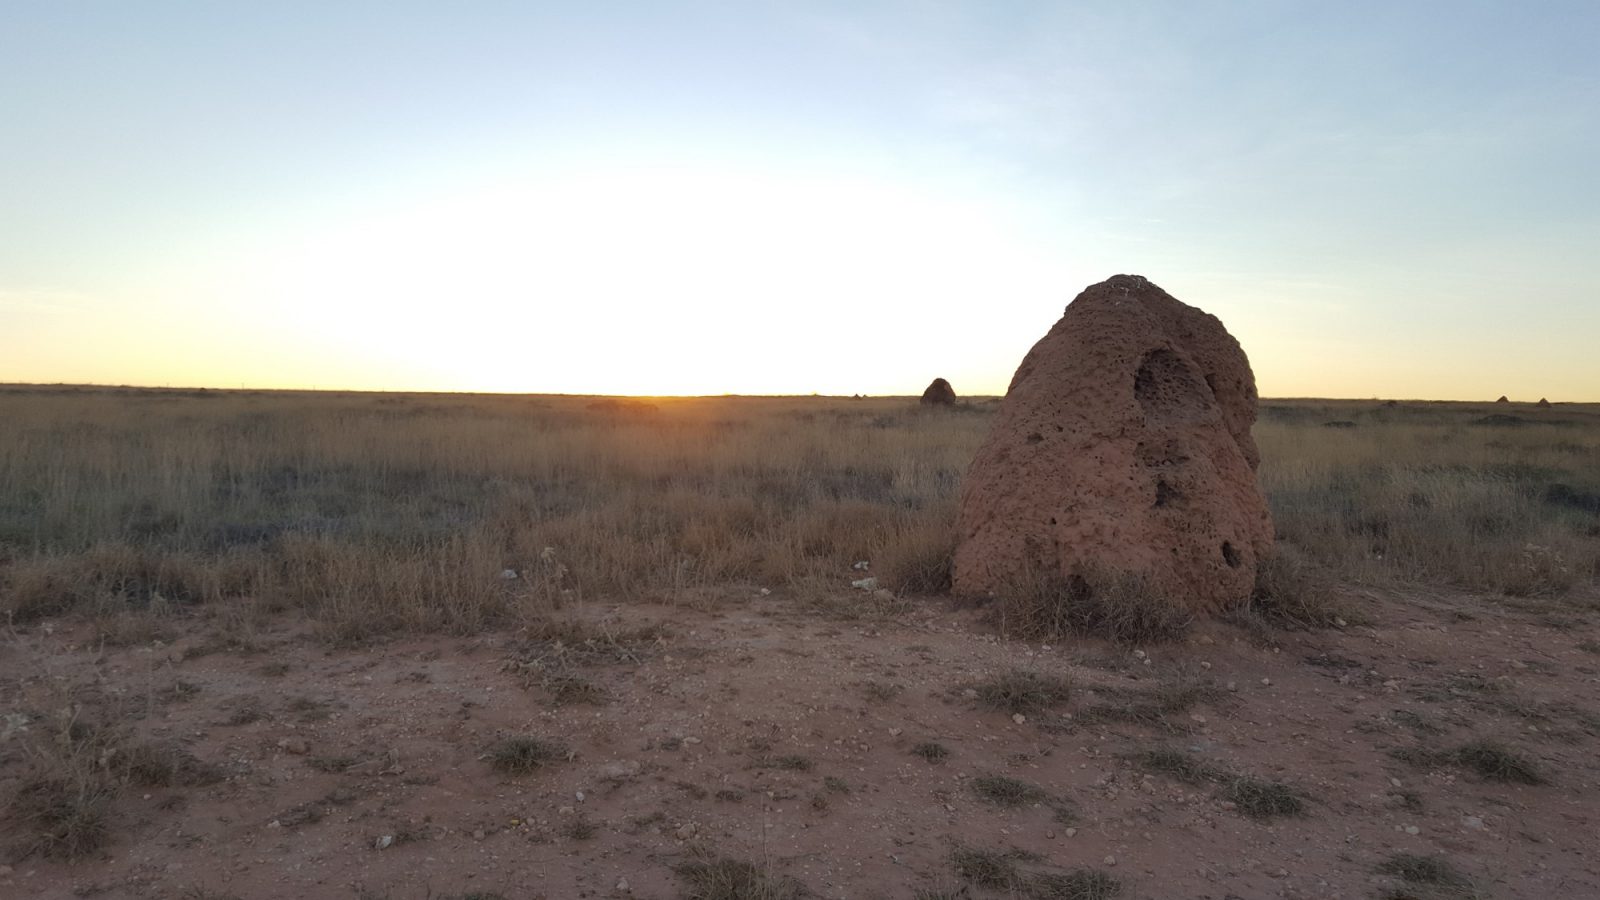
(283, 623)
(377, 514)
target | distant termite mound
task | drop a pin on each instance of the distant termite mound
(1502, 399)
(1122, 449)
(939, 393)
(1543, 403)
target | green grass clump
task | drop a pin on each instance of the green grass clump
(931, 751)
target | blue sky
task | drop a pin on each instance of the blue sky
(1379, 199)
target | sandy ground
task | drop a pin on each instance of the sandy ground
(762, 729)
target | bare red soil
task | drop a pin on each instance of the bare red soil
(758, 729)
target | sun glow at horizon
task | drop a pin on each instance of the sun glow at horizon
(674, 281)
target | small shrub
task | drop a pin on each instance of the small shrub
(1415, 721)
(332, 765)
(40, 587)
(1022, 691)
(1433, 871)
(1497, 763)
(63, 816)
(1421, 757)
(164, 766)
(1263, 799)
(179, 691)
(309, 709)
(566, 689)
(990, 869)
(1152, 708)
(791, 762)
(731, 879)
(881, 692)
(579, 829)
(1407, 800)
(1535, 570)
(1290, 593)
(1119, 607)
(1006, 791)
(1490, 760)
(931, 751)
(523, 754)
(244, 711)
(1077, 884)
(1176, 764)
(916, 559)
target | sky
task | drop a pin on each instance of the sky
(1378, 199)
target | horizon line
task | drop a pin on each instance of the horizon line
(11, 385)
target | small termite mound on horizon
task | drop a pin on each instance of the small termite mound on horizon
(939, 393)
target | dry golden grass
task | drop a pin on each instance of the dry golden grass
(383, 512)
(377, 513)
(1480, 496)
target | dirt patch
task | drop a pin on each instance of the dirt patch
(752, 745)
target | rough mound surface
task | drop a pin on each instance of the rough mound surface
(939, 393)
(1122, 448)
